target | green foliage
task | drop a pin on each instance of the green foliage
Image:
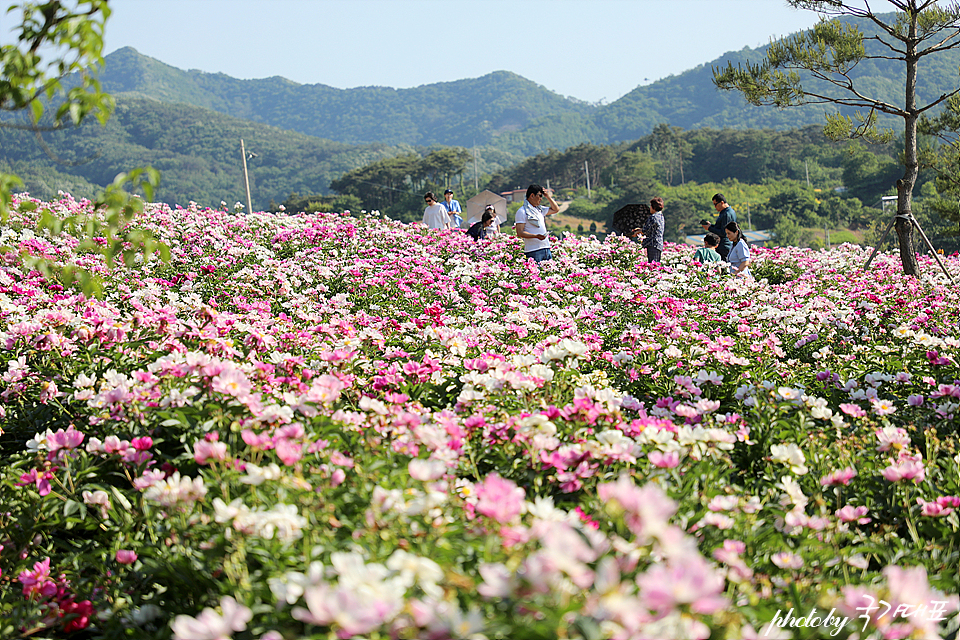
(815, 67)
(197, 150)
(840, 237)
(788, 232)
(395, 186)
(55, 41)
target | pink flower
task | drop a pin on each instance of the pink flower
(892, 438)
(915, 400)
(324, 390)
(787, 560)
(853, 410)
(932, 509)
(231, 382)
(69, 439)
(210, 625)
(205, 452)
(499, 499)
(883, 407)
(125, 556)
(113, 444)
(686, 579)
(149, 478)
(42, 481)
(842, 476)
(289, 451)
(853, 514)
(662, 460)
(37, 581)
(907, 470)
(647, 509)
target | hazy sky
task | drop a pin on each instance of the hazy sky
(589, 49)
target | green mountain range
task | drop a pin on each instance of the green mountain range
(501, 109)
(189, 124)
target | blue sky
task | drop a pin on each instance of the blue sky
(592, 50)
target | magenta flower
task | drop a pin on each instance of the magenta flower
(142, 444)
(41, 480)
(36, 581)
(125, 556)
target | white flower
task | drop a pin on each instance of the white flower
(290, 587)
(282, 522)
(39, 441)
(790, 455)
(98, 498)
(414, 569)
(175, 491)
(794, 494)
(258, 475)
(426, 470)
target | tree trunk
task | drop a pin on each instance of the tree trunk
(904, 224)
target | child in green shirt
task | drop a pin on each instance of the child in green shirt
(708, 252)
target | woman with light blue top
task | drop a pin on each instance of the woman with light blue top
(739, 256)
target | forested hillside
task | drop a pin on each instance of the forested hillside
(500, 109)
(464, 112)
(196, 150)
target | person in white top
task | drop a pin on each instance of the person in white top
(435, 215)
(531, 223)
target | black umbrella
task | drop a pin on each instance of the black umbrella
(630, 217)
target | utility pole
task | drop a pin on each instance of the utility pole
(586, 172)
(807, 169)
(476, 175)
(246, 179)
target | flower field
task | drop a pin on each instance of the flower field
(334, 426)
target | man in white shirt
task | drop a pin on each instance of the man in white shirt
(435, 215)
(531, 223)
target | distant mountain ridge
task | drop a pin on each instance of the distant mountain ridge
(500, 109)
(460, 113)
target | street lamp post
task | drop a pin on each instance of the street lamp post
(246, 179)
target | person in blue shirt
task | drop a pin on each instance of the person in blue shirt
(453, 209)
(739, 256)
(725, 215)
